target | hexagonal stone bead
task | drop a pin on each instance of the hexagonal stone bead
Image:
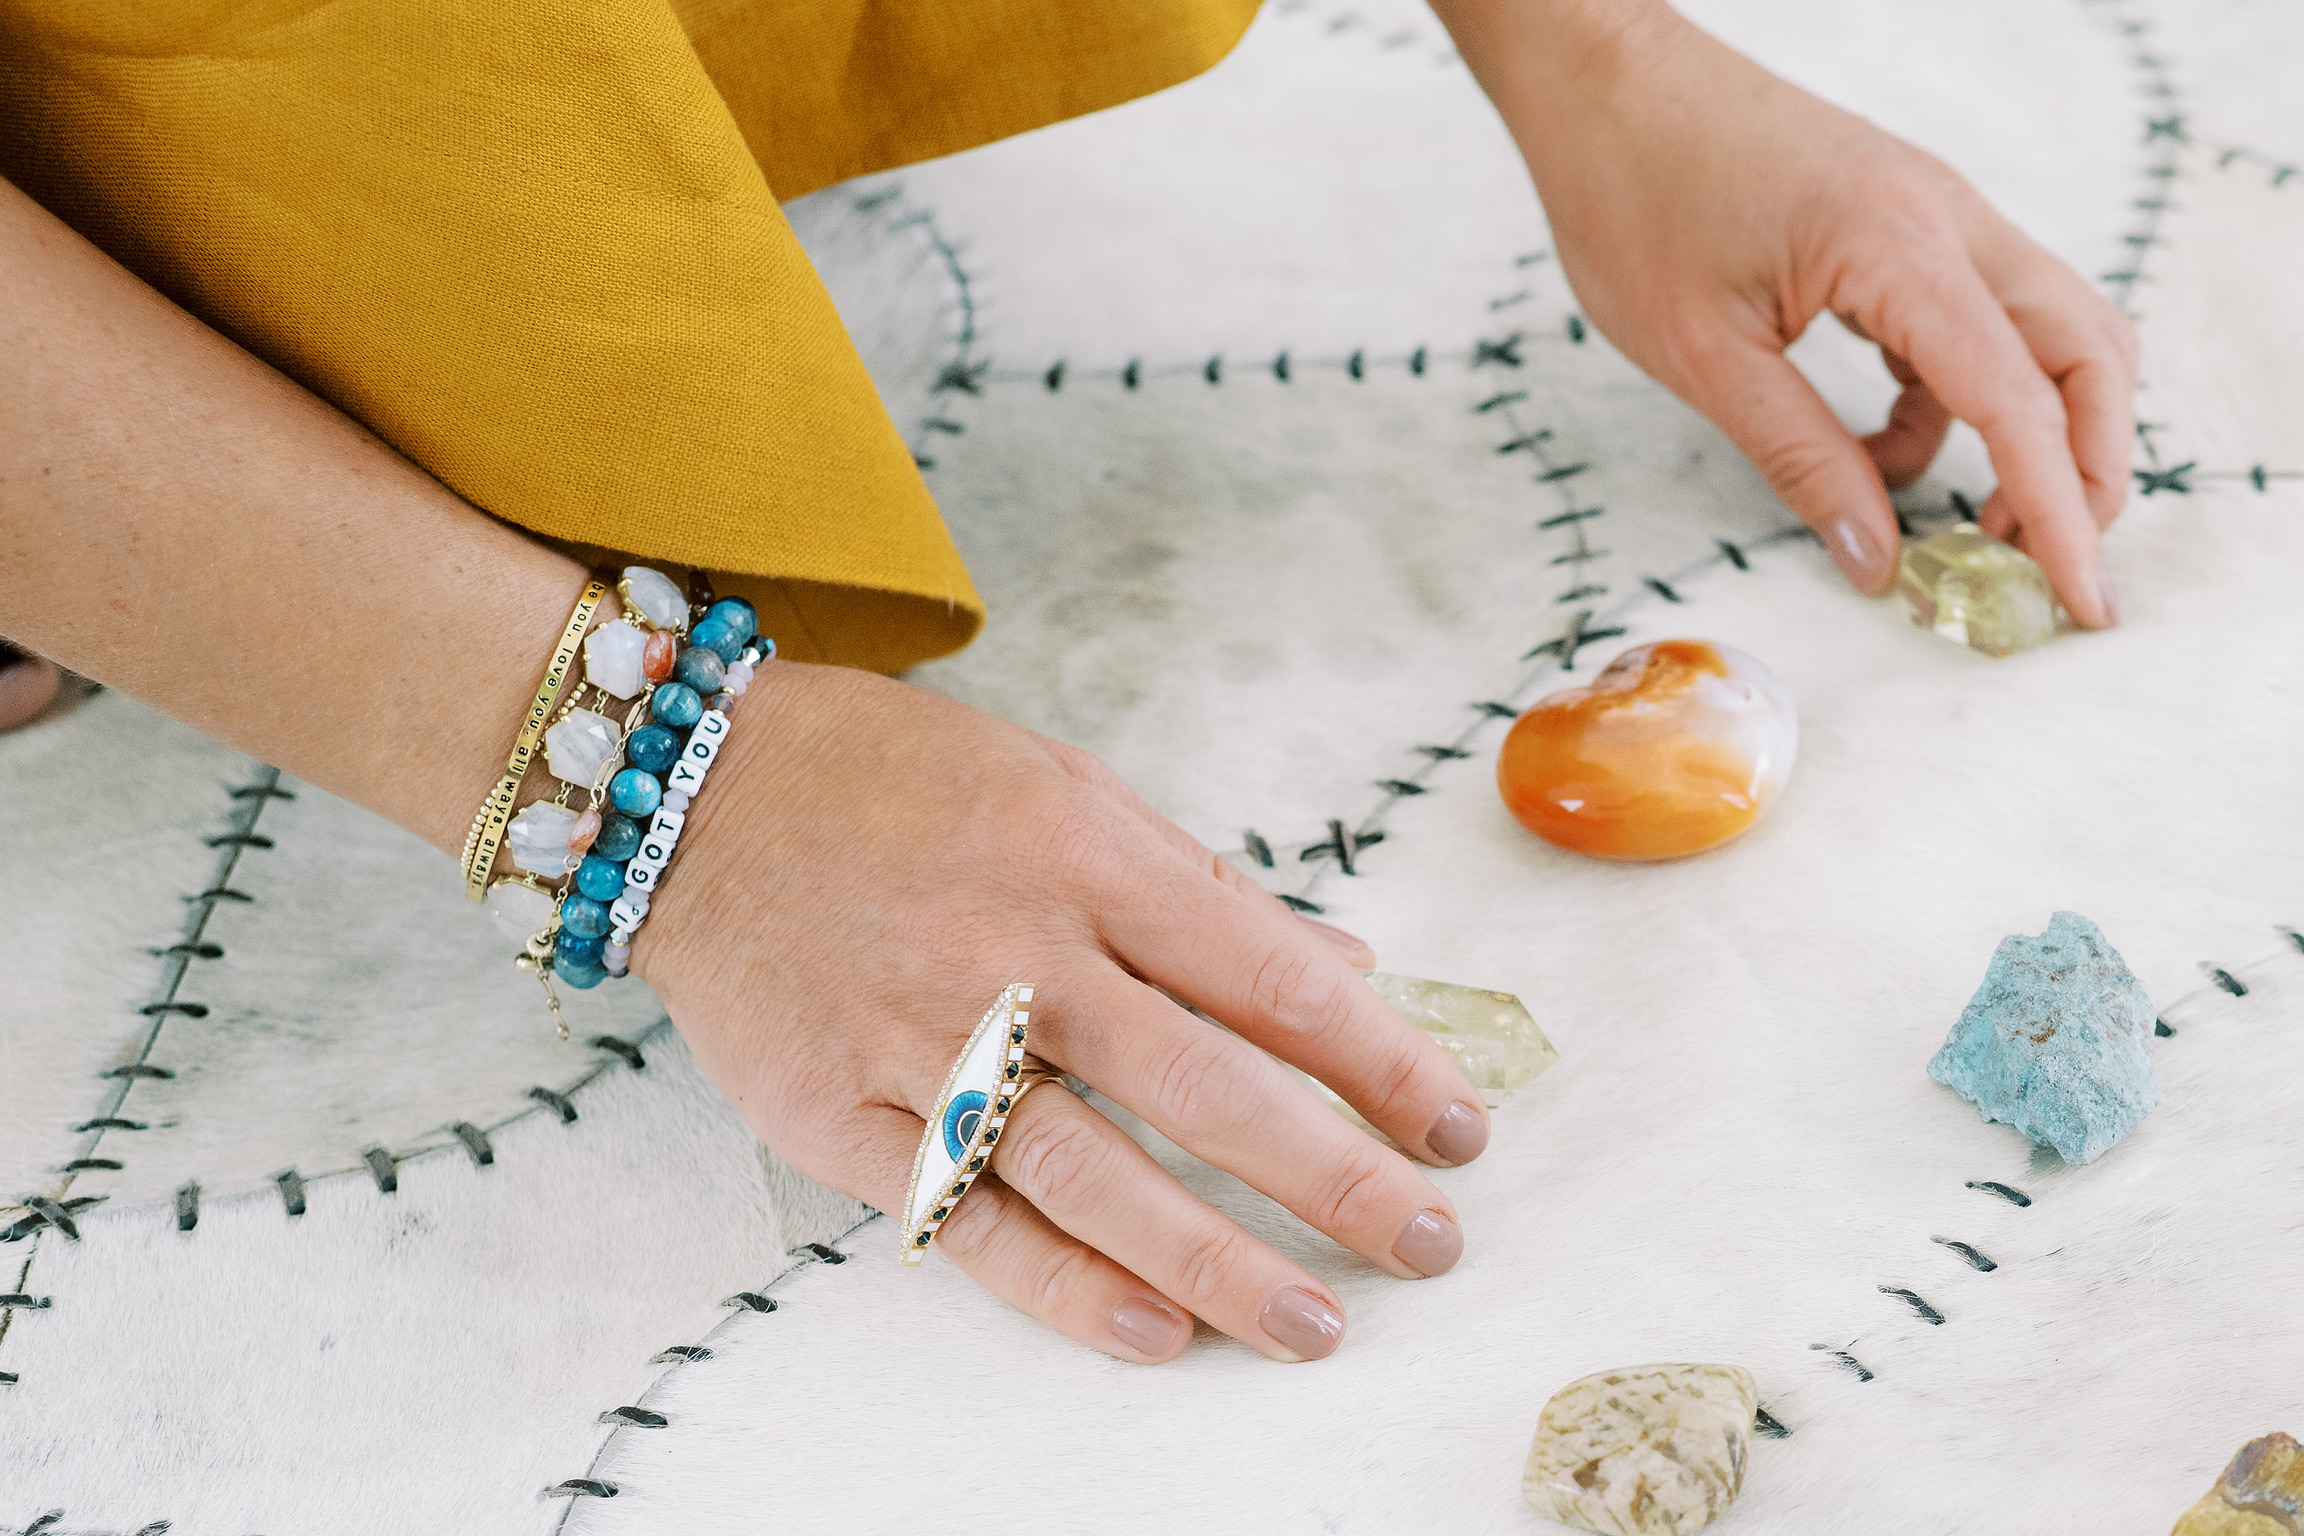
(612, 658)
(652, 595)
(537, 839)
(519, 911)
(1651, 1450)
(578, 747)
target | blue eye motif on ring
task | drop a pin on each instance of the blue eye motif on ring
(961, 1117)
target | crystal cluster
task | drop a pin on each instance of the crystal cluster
(1675, 747)
(2260, 1494)
(1652, 1450)
(2055, 1041)
(1976, 591)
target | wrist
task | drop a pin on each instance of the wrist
(1549, 64)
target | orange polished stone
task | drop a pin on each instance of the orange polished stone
(1676, 747)
(658, 655)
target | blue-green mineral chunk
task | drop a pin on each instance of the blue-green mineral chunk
(2055, 1041)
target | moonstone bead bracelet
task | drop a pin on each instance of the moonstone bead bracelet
(587, 876)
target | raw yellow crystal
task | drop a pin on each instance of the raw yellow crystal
(2260, 1494)
(1976, 591)
(1491, 1036)
(1652, 1450)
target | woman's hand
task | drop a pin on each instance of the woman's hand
(872, 863)
(1706, 212)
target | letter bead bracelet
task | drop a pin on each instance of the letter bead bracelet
(639, 752)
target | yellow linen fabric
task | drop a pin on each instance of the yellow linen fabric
(534, 244)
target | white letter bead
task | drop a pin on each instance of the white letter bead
(642, 875)
(712, 727)
(686, 777)
(667, 823)
(655, 849)
(625, 915)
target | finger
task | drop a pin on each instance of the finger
(1773, 414)
(1085, 1174)
(1917, 425)
(1940, 316)
(1226, 1102)
(1247, 962)
(2099, 390)
(1001, 1242)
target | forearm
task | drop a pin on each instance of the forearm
(1539, 60)
(182, 523)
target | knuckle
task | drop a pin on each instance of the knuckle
(1210, 1265)
(1194, 1083)
(1392, 1086)
(1300, 994)
(1357, 1198)
(974, 1232)
(1061, 1280)
(1056, 1161)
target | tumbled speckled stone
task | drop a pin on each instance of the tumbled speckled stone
(1652, 1450)
(2056, 1041)
(2260, 1494)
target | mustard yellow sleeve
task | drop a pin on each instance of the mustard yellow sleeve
(529, 245)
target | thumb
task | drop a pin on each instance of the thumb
(1771, 412)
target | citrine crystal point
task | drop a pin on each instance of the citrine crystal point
(2260, 1494)
(1976, 591)
(1490, 1034)
(1651, 1450)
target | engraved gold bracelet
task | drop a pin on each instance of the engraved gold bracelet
(495, 812)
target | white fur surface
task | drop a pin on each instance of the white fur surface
(1255, 600)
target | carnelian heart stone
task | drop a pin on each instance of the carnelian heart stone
(1676, 747)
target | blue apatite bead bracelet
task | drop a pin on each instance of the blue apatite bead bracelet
(587, 876)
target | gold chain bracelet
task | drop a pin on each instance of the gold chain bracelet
(495, 813)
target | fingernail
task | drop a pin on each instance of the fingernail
(1148, 1327)
(1855, 553)
(1306, 1326)
(1430, 1244)
(2110, 598)
(1355, 949)
(1458, 1135)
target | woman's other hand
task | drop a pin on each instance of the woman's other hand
(873, 863)
(1706, 212)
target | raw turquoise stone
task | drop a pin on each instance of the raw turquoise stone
(718, 638)
(677, 705)
(568, 949)
(634, 792)
(619, 838)
(701, 668)
(2055, 1041)
(652, 749)
(583, 917)
(582, 975)
(742, 619)
(599, 878)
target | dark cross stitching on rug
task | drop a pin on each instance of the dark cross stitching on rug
(636, 1416)
(56, 1210)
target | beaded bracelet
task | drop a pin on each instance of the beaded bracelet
(488, 826)
(589, 875)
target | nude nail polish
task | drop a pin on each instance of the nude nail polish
(1854, 552)
(1429, 1244)
(1307, 1327)
(2110, 598)
(1458, 1135)
(1148, 1327)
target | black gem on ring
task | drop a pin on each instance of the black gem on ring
(976, 1166)
(1004, 1106)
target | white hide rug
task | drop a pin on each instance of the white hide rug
(344, 1270)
